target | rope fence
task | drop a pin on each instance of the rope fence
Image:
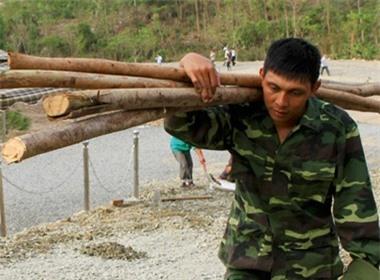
(88, 166)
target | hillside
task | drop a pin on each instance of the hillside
(140, 30)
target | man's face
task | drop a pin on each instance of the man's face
(285, 99)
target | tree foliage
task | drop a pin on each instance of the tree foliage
(137, 30)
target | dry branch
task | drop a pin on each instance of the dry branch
(64, 79)
(129, 99)
(104, 66)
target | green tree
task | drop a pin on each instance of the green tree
(54, 45)
(2, 33)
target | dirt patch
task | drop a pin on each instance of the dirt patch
(112, 250)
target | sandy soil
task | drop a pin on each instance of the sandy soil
(148, 239)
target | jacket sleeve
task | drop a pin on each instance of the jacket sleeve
(355, 210)
(208, 128)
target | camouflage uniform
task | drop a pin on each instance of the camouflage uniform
(281, 219)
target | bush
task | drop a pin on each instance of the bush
(54, 45)
(15, 120)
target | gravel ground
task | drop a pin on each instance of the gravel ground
(147, 241)
(143, 241)
(176, 240)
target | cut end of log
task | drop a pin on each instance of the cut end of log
(56, 105)
(10, 56)
(13, 150)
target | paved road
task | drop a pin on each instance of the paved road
(49, 187)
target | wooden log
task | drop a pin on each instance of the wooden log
(28, 145)
(85, 111)
(95, 65)
(52, 138)
(104, 66)
(365, 90)
(63, 79)
(61, 104)
(128, 99)
(349, 101)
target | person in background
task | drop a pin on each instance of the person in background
(233, 57)
(302, 184)
(225, 51)
(213, 56)
(228, 57)
(159, 59)
(324, 66)
(182, 153)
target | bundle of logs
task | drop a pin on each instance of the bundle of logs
(113, 96)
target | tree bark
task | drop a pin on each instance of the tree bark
(349, 101)
(104, 66)
(58, 105)
(64, 79)
(364, 90)
(129, 99)
(91, 65)
(31, 144)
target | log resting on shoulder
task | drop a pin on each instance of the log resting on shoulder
(64, 79)
(349, 101)
(105, 66)
(28, 145)
(361, 89)
(58, 105)
(128, 99)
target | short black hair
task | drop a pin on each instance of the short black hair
(293, 58)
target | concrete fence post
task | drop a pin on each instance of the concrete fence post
(3, 226)
(136, 164)
(86, 177)
(3, 125)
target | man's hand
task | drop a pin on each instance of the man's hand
(202, 73)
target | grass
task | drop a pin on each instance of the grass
(16, 120)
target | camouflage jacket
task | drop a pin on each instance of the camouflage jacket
(292, 199)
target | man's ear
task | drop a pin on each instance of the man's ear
(315, 87)
(261, 73)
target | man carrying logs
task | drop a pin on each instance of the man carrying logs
(302, 183)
